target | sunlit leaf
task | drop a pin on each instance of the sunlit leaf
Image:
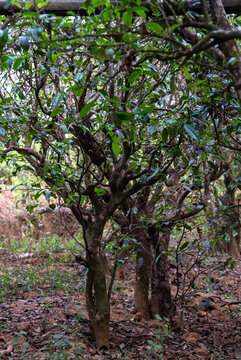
(154, 27)
(100, 192)
(127, 18)
(134, 76)
(77, 89)
(116, 148)
(56, 111)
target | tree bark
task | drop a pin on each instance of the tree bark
(134, 228)
(231, 225)
(97, 302)
(143, 273)
(229, 48)
(161, 300)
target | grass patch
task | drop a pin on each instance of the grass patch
(41, 266)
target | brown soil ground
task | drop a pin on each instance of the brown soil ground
(47, 320)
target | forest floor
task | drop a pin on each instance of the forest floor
(43, 316)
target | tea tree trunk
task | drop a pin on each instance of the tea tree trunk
(161, 301)
(143, 267)
(97, 301)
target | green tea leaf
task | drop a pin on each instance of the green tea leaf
(57, 100)
(86, 109)
(192, 132)
(154, 27)
(134, 76)
(127, 18)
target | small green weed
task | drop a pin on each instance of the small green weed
(160, 334)
(6, 286)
